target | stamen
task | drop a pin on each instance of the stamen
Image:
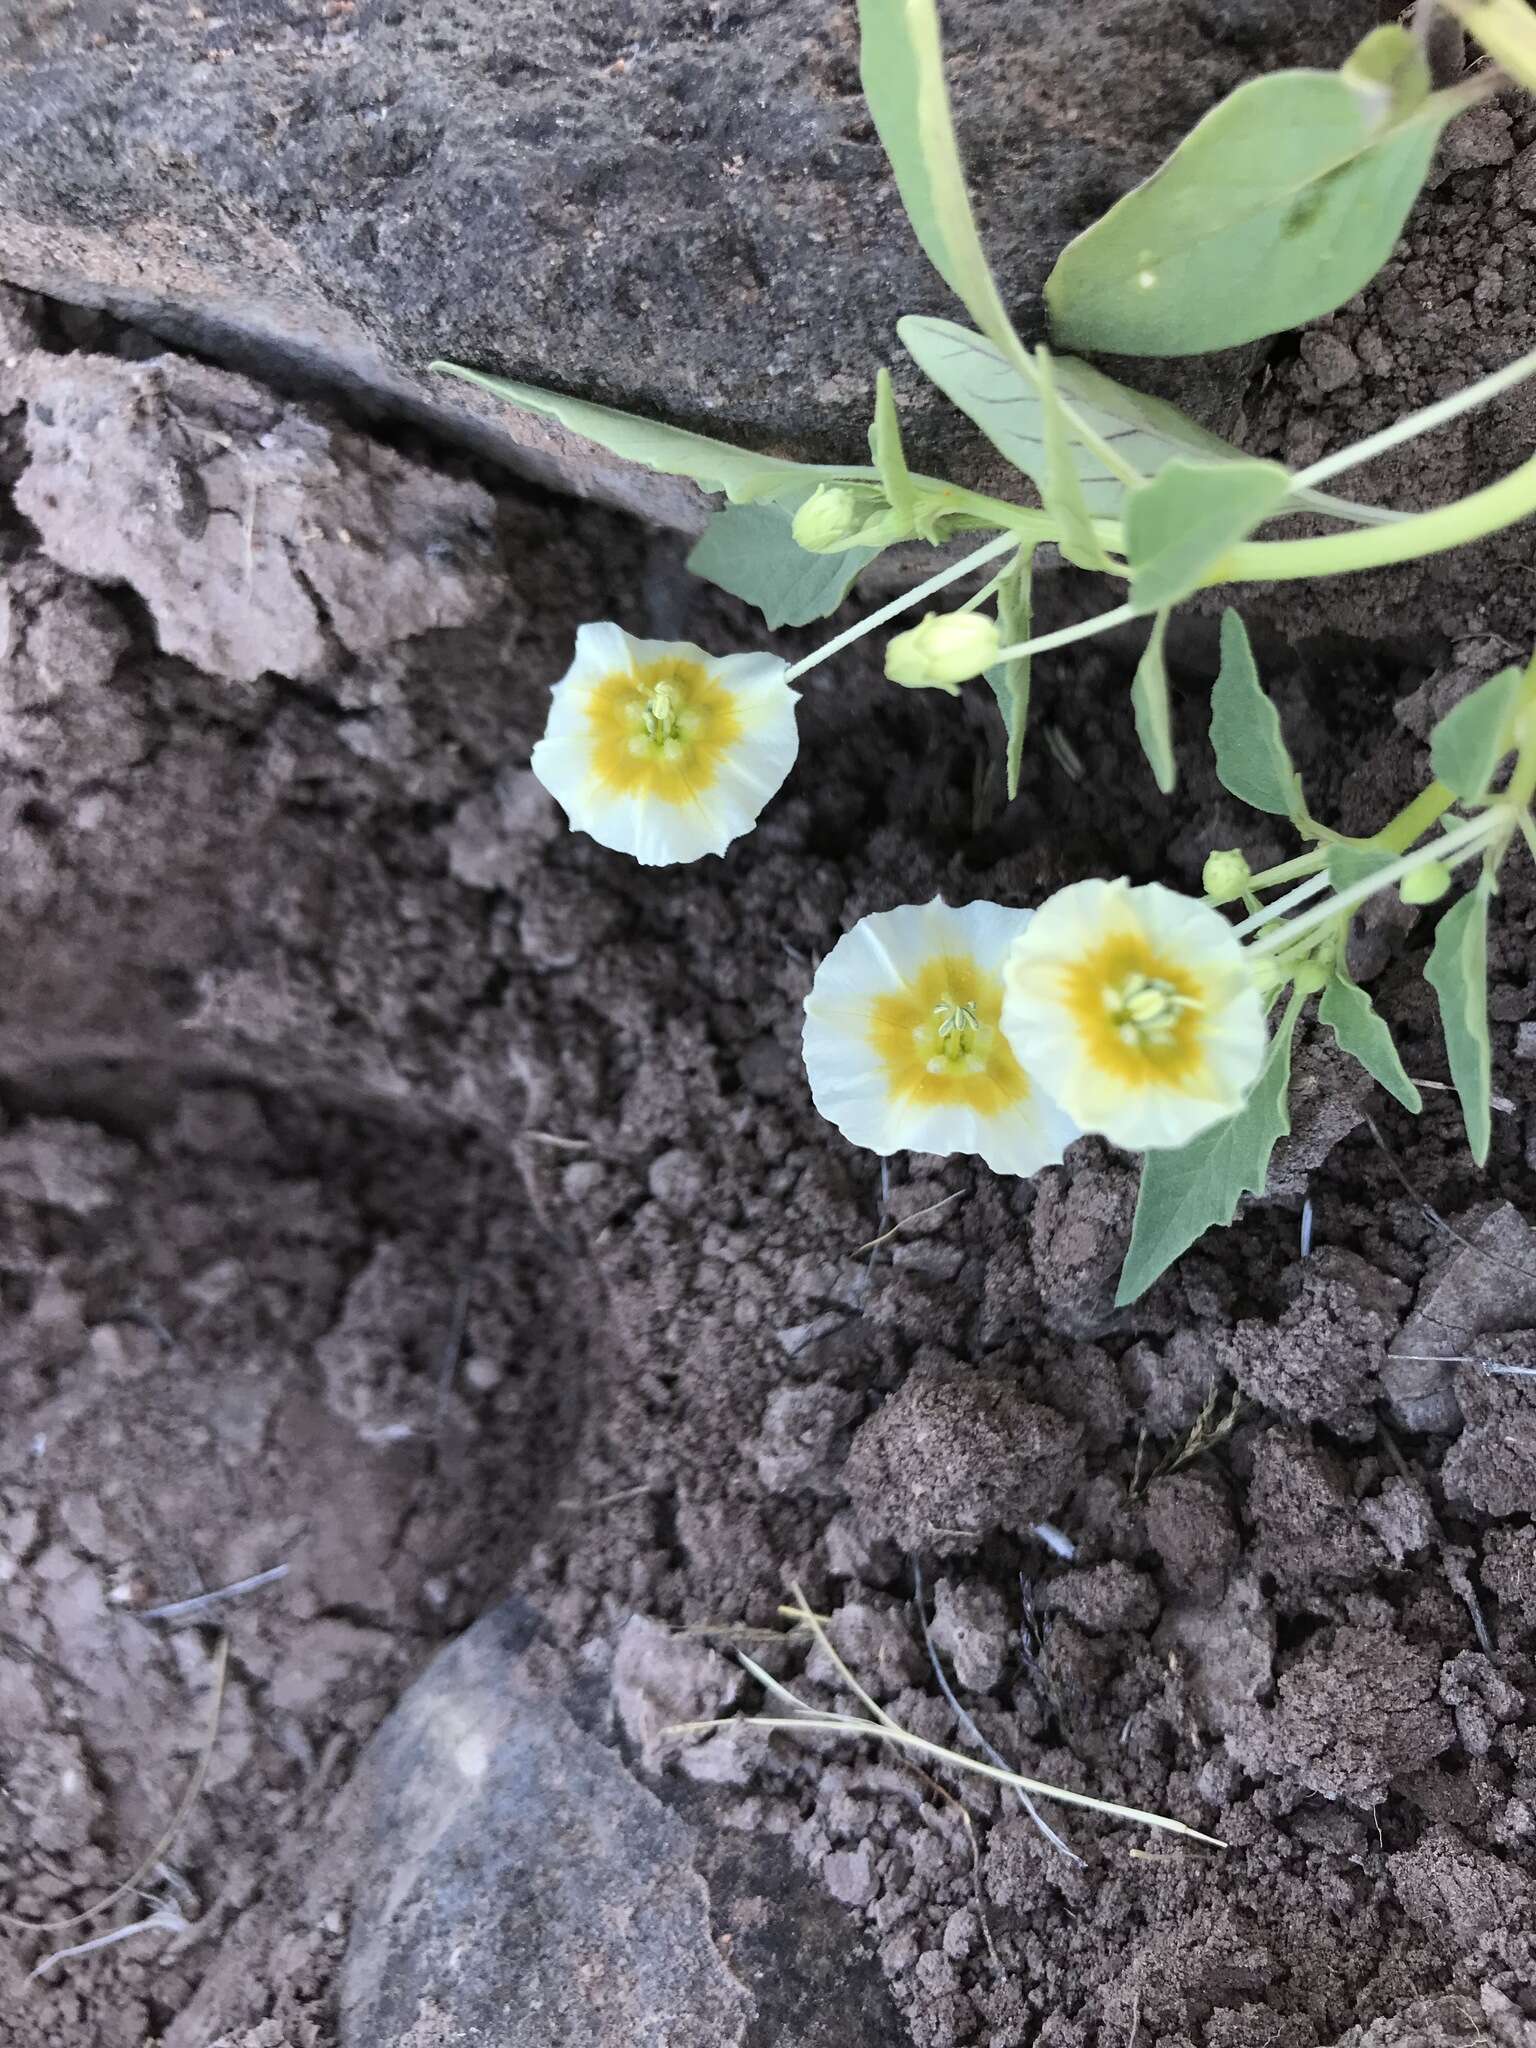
(661, 714)
(1145, 1010)
(954, 1017)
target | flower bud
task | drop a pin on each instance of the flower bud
(943, 652)
(1426, 884)
(829, 519)
(1308, 977)
(1226, 875)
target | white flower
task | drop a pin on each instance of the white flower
(903, 1046)
(1137, 1009)
(658, 749)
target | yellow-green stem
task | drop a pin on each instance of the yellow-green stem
(1427, 808)
(1457, 845)
(1507, 31)
(1289, 870)
(1471, 518)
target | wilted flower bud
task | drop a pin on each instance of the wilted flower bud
(1226, 875)
(1426, 884)
(943, 652)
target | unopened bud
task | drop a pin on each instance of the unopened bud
(1308, 976)
(943, 652)
(829, 519)
(1426, 884)
(1226, 875)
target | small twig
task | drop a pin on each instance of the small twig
(916, 1217)
(1459, 1578)
(553, 1138)
(605, 1500)
(968, 1723)
(1494, 1368)
(453, 1347)
(1500, 1102)
(174, 1609)
(178, 1819)
(1067, 757)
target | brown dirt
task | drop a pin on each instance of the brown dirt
(395, 1186)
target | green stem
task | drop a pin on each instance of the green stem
(1506, 31)
(988, 552)
(1289, 870)
(1427, 808)
(1282, 905)
(1412, 424)
(1085, 629)
(1378, 547)
(988, 590)
(1454, 846)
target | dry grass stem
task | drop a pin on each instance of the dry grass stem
(877, 1722)
(177, 1821)
(902, 1223)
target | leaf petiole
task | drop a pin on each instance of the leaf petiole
(988, 552)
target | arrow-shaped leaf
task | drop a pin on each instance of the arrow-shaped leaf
(1184, 1193)
(1278, 206)
(1351, 1016)
(750, 551)
(1458, 974)
(743, 475)
(1252, 759)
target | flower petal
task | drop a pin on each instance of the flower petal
(1142, 1084)
(658, 749)
(903, 1046)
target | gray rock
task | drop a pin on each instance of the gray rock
(516, 1881)
(676, 208)
(514, 1884)
(257, 541)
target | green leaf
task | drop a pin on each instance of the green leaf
(1251, 755)
(1471, 740)
(901, 63)
(1009, 680)
(1349, 1013)
(1186, 519)
(715, 465)
(750, 551)
(1278, 206)
(1350, 864)
(1183, 1193)
(1458, 974)
(1062, 491)
(1001, 393)
(1149, 701)
(889, 456)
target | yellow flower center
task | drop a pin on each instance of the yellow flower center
(661, 729)
(938, 1040)
(1139, 1013)
(1145, 1009)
